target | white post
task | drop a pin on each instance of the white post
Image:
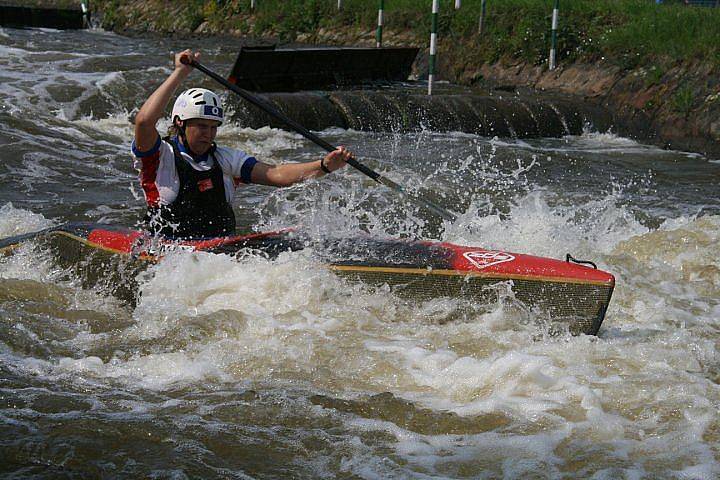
(339, 4)
(85, 14)
(378, 32)
(433, 45)
(553, 46)
(457, 4)
(252, 4)
(481, 22)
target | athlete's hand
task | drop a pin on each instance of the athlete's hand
(185, 55)
(337, 158)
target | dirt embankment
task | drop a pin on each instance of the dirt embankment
(676, 107)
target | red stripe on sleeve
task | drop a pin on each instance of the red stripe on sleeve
(148, 174)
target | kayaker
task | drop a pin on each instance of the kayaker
(188, 181)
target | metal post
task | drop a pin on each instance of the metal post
(553, 46)
(252, 4)
(85, 7)
(457, 4)
(339, 4)
(433, 44)
(378, 32)
(482, 17)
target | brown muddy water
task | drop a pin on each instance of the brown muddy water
(255, 368)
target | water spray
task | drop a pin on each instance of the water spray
(274, 112)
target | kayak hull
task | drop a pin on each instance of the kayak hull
(569, 295)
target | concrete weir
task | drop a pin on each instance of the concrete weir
(333, 87)
(48, 14)
(270, 69)
(396, 111)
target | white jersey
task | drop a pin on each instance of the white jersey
(160, 180)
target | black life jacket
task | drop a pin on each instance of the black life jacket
(200, 209)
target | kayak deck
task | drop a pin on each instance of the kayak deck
(570, 294)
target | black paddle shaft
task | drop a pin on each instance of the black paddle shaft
(270, 109)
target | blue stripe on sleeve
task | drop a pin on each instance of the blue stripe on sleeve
(246, 169)
(152, 151)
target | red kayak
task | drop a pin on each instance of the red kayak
(568, 292)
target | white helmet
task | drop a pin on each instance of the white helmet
(197, 103)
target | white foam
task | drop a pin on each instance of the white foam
(269, 145)
(435, 453)
(590, 142)
(156, 371)
(117, 125)
(534, 226)
(17, 221)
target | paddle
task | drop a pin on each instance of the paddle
(9, 244)
(271, 110)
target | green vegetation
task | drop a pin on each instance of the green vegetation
(684, 100)
(653, 75)
(628, 33)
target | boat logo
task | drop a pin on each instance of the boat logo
(205, 184)
(486, 258)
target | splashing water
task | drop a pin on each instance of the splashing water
(262, 368)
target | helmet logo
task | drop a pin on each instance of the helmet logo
(212, 111)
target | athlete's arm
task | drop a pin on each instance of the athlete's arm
(289, 173)
(146, 135)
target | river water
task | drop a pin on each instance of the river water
(256, 368)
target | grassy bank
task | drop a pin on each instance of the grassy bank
(624, 32)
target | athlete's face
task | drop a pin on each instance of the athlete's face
(200, 134)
